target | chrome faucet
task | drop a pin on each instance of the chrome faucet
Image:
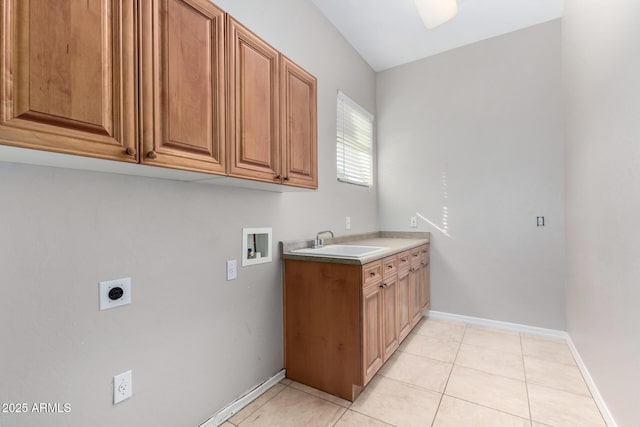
(319, 243)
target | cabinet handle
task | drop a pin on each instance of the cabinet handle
(403, 260)
(131, 151)
(389, 266)
(286, 178)
(373, 273)
(152, 155)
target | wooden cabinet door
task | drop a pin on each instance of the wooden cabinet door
(404, 304)
(414, 289)
(372, 344)
(182, 85)
(299, 126)
(69, 76)
(390, 331)
(425, 286)
(253, 113)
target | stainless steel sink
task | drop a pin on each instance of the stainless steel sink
(340, 251)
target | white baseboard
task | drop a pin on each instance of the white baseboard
(595, 393)
(234, 407)
(551, 333)
(533, 330)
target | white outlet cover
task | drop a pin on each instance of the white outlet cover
(413, 221)
(105, 287)
(348, 223)
(122, 387)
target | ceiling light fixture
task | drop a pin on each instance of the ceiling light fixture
(436, 12)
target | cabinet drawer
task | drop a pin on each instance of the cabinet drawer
(371, 273)
(414, 257)
(389, 266)
(403, 261)
(424, 255)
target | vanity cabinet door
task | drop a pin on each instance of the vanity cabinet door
(69, 77)
(404, 304)
(372, 332)
(425, 279)
(182, 85)
(390, 316)
(414, 290)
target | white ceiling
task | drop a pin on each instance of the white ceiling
(388, 33)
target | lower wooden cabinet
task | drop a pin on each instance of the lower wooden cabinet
(343, 321)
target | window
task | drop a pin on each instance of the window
(354, 142)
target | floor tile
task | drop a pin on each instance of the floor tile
(553, 350)
(294, 408)
(416, 370)
(488, 338)
(492, 361)
(535, 424)
(559, 408)
(285, 381)
(321, 394)
(432, 347)
(455, 413)
(439, 328)
(555, 375)
(256, 404)
(355, 419)
(504, 394)
(397, 403)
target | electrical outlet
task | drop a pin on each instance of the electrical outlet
(232, 270)
(114, 293)
(413, 221)
(540, 221)
(347, 223)
(122, 387)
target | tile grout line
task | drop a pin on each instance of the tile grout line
(453, 364)
(259, 407)
(321, 398)
(502, 411)
(526, 383)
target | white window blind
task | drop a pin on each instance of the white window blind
(354, 142)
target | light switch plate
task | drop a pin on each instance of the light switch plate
(105, 287)
(232, 269)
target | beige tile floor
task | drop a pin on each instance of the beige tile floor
(447, 374)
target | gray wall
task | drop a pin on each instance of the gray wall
(472, 140)
(194, 341)
(601, 55)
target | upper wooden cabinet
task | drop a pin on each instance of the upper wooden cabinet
(182, 102)
(299, 126)
(272, 113)
(69, 77)
(171, 83)
(254, 94)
